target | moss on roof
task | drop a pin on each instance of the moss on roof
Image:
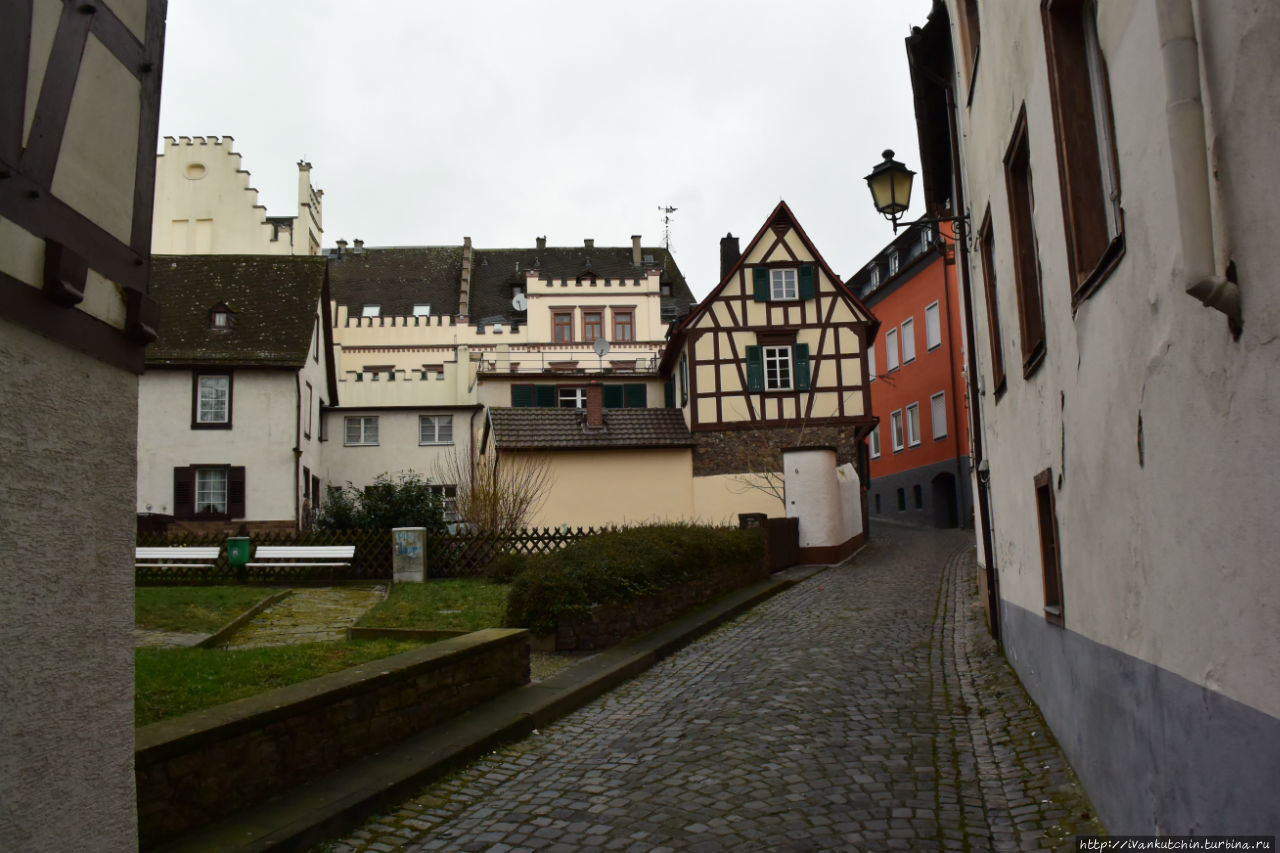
(272, 299)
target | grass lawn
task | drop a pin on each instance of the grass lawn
(478, 604)
(193, 608)
(172, 682)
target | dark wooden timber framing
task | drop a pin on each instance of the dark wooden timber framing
(986, 252)
(27, 172)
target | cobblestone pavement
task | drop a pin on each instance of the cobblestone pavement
(865, 709)
(309, 615)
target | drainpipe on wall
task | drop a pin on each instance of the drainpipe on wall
(1184, 111)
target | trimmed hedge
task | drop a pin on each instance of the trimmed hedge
(622, 565)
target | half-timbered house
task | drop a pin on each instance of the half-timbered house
(773, 358)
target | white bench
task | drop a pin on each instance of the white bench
(328, 556)
(177, 557)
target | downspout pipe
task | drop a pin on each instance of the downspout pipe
(1185, 115)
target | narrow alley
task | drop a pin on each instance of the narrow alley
(864, 709)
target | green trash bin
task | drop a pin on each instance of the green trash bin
(237, 551)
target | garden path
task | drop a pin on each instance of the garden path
(309, 615)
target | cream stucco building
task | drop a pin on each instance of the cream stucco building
(77, 135)
(1116, 160)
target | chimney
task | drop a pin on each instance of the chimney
(464, 283)
(635, 249)
(589, 243)
(359, 246)
(595, 405)
(729, 254)
(342, 246)
(542, 243)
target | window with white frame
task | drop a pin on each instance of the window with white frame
(895, 429)
(421, 310)
(891, 350)
(572, 398)
(361, 430)
(213, 400)
(871, 362)
(926, 238)
(783, 284)
(371, 311)
(893, 262)
(875, 276)
(777, 368)
(913, 424)
(435, 429)
(932, 326)
(908, 340)
(875, 442)
(938, 414)
(311, 404)
(211, 490)
(448, 496)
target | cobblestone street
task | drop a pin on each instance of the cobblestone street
(865, 709)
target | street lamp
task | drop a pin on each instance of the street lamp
(890, 183)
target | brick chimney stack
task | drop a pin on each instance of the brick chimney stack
(589, 242)
(595, 405)
(636, 255)
(542, 243)
(729, 253)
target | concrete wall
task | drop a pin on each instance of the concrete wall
(721, 498)
(929, 512)
(66, 619)
(1158, 428)
(397, 449)
(624, 487)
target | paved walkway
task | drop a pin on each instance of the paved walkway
(865, 709)
(309, 615)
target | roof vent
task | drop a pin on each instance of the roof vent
(359, 247)
(590, 243)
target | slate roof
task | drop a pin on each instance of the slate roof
(398, 278)
(273, 300)
(566, 429)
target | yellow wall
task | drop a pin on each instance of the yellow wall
(719, 499)
(597, 487)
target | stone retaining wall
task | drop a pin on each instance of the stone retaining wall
(610, 624)
(195, 769)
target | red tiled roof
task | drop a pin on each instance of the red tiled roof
(566, 429)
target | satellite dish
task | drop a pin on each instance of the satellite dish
(601, 346)
(519, 302)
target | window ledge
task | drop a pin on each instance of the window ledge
(221, 425)
(1098, 276)
(1053, 615)
(1034, 361)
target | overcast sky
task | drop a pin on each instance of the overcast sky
(504, 121)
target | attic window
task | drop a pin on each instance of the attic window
(420, 310)
(648, 259)
(220, 318)
(665, 288)
(371, 311)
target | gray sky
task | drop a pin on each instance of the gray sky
(503, 121)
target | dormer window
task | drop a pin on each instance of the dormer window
(419, 311)
(893, 262)
(371, 311)
(220, 317)
(875, 276)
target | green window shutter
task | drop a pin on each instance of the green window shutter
(807, 289)
(522, 396)
(755, 369)
(637, 398)
(613, 396)
(669, 394)
(545, 396)
(800, 357)
(760, 284)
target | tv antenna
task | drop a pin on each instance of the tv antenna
(666, 210)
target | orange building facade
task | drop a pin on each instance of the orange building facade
(919, 452)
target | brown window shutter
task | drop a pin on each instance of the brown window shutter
(235, 491)
(184, 492)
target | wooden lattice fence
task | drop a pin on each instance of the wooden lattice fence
(464, 554)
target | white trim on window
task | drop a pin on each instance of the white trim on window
(783, 284)
(875, 442)
(214, 406)
(360, 431)
(893, 262)
(211, 490)
(938, 414)
(913, 424)
(932, 327)
(871, 363)
(891, 350)
(421, 310)
(908, 340)
(435, 429)
(571, 398)
(371, 310)
(778, 374)
(895, 424)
